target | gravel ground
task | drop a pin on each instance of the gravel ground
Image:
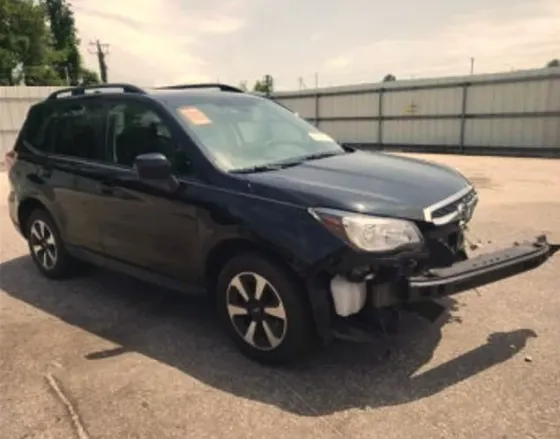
(105, 356)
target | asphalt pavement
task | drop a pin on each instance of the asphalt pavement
(106, 356)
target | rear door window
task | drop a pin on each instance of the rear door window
(78, 131)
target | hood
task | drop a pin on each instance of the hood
(364, 182)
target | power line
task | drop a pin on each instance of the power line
(100, 50)
(301, 82)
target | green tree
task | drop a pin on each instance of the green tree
(9, 50)
(66, 59)
(39, 44)
(89, 77)
(553, 63)
(389, 78)
(24, 43)
(264, 85)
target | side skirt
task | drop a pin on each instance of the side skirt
(143, 274)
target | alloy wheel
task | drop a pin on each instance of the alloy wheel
(43, 244)
(256, 311)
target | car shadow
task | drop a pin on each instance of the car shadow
(181, 332)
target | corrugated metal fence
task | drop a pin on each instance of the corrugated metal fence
(14, 104)
(512, 113)
(508, 113)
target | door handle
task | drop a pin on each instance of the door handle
(45, 172)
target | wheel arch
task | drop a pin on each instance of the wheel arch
(25, 209)
(315, 298)
(225, 250)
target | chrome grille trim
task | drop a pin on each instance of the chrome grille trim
(455, 214)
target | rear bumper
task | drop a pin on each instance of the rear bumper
(480, 270)
(12, 210)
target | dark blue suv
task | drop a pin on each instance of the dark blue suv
(207, 188)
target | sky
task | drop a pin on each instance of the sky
(304, 42)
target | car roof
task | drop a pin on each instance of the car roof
(180, 96)
(170, 94)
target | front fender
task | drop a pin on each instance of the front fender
(285, 229)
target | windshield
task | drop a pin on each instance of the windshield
(245, 133)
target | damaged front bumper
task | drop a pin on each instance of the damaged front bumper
(345, 299)
(480, 270)
(461, 276)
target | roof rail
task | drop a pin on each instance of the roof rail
(81, 89)
(221, 87)
(270, 98)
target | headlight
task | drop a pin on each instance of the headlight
(366, 232)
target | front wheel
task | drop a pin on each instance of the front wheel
(263, 308)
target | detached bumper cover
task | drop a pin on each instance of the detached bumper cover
(480, 270)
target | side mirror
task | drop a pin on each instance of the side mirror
(348, 147)
(153, 167)
(156, 169)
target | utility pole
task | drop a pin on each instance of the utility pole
(100, 50)
(472, 66)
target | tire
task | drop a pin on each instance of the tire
(278, 329)
(46, 246)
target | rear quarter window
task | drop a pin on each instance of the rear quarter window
(35, 130)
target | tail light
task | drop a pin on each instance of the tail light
(9, 159)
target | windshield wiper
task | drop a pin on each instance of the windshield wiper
(319, 155)
(285, 164)
(262, 168)
(306, 158)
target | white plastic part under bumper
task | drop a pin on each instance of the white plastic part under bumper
(348, 297)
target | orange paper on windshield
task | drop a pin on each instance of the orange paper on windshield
(194, 116)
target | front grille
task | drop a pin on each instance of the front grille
(453, 206)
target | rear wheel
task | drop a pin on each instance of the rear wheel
(46, 246)
(263, 309)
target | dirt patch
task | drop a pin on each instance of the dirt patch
(483, 182)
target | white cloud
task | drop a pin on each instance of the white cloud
(316, 37)
(170, 41)
(151, 42)
(497, 44)
(339, 62)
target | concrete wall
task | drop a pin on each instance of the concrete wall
(502, 112)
